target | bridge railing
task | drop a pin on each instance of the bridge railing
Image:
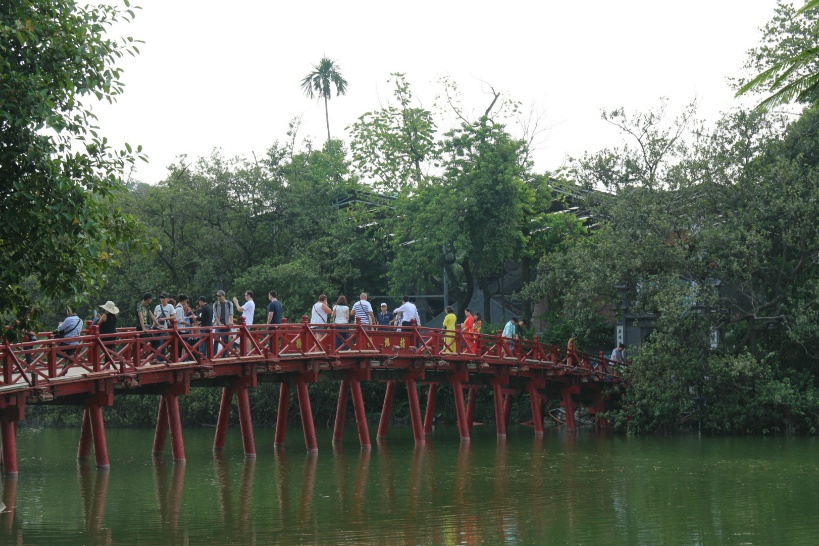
(46, 358)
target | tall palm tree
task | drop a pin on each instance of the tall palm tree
(319, 82)
(793, 78)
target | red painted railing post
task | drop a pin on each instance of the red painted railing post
(360, 414)
(223, 420)
(245, 421)
(8, 363)
(429, 415)
(305, 334)
(306, 412)
(386, 410)
(281, 416)
(341, 413)
(95, 350)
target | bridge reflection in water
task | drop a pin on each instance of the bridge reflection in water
(98, 368)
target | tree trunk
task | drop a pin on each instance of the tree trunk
(327, 119)
(526, 277)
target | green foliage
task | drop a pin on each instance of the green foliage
(710, 239)
(787, 60)
(61, 225)
(394, 147)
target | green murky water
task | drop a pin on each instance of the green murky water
(583, 488)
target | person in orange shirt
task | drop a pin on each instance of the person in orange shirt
(467, 329)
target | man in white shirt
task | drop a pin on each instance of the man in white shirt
(164, 311)
(247, 309)
(363, 310)
(408, 312)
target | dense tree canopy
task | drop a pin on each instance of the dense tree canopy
(61, 226)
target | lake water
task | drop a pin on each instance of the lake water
(584, 488)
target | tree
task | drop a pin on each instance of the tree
(468, 221)
(59, 224)
(788, 58)
(320, 81)
(710, 238)
(393, 147)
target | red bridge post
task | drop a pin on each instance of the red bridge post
(161, 432)
(460, 409)
(224, 418)
(281, 415)
(429, 415)
(341, 412)
(86, 436)
(8, 430)
(360, 414)
(569, 406)
(537, 415)
(500, 422)
(470, 406)
(245, 420)
(415, 411)
(306, 415)
(98, 430)
(386, 410)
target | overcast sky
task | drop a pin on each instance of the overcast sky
(227, 74)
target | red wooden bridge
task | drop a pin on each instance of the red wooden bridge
(98, 368)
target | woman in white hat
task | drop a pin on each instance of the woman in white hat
(108, 319)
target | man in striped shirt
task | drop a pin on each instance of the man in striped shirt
(363, 310)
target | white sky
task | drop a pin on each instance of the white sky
(227, 74)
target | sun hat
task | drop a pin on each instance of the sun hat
(110, 307)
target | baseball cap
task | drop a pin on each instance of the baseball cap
(383, 304)
(164, 295)
(220, 292)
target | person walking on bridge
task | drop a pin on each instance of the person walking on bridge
(274, 309)
(363, 310)
(248, 309)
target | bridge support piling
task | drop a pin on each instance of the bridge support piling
(386, 410)
(306, 416)
(500, 422)
(245, 420)
(470, 406)
(415, 412)
(568, 405)
(429, 415)
(161, 427)
(341, 413)
(599, 409)
(360, 414)
(86, 437)
(507, 409)
(537, 415)
(98, 430)
(224, 419)
(281, 416)
(175, 422)
(8, 430)
(460, 410)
